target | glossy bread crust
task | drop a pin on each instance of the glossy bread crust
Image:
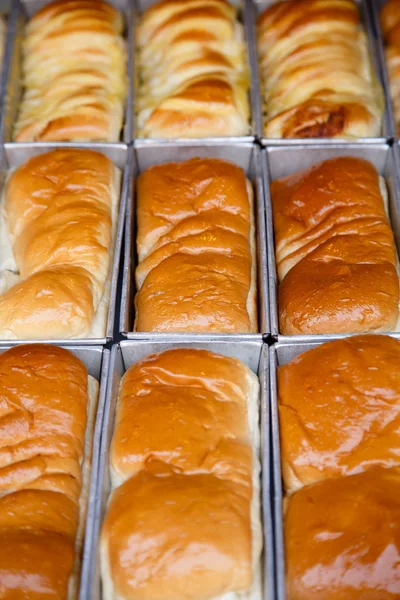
(317, 76)
(196, 248)
(81, 45)
(335, 250)
(342, 538)
(207, 396)
(43, 418)
(193, 71)
(58, 210)
(339, 409)
(183, 518)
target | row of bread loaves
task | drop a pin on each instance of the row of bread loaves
(193, 81)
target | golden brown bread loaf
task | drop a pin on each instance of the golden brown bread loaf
(193, 71)
(339, 409)
(74, 74)
(183, 519)
(196, 249)
(343, 538)
(317, 77)
(339, 418)
(390, 22)
(46, 416)
(335, 251)
(60, 210)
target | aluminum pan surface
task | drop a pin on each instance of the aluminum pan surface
(245, 156)
(123, 356)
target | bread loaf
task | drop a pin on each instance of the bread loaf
(193, 71)
(60, 212)
(46, 421)
(343, 538)
(339, 422)
(335, 251)
(317, 76)
(74, 74)
(390, 21)
(339, 409)
(183, 517)
(196, 249)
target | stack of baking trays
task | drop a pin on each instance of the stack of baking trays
(199, 224)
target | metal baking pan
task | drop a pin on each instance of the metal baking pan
(96, 361)
(245, 17)
(366, 21)
(15, 156)
(375, 9)
(22, 10)
(281, 161)
(246, 156)
(279, 354)
(123, 355)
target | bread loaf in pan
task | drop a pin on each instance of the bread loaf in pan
(59, 215)
(196, 249)
(73, 74)
(317, 77)
(339, 407)
(343, 538)
(183, 516)
(193, 71)
(390, 24)
(48, 408)
(335, 252)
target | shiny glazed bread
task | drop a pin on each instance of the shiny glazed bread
(390, 22)
(193, 71)
(335, 251)
(46, 422)
(74, 74)
(196, 248)
(339, 409)
(317, 76)
(59, 210)
(339, 422)
(343, 538)
(183, 517)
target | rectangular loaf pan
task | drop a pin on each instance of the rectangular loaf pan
(279, 354)
(280, 161)
(123, 355)
(246, 156)
(245, 16)
(11, 94)
(96, 360)
(14, 156)
(375, 7)
(366, 21)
